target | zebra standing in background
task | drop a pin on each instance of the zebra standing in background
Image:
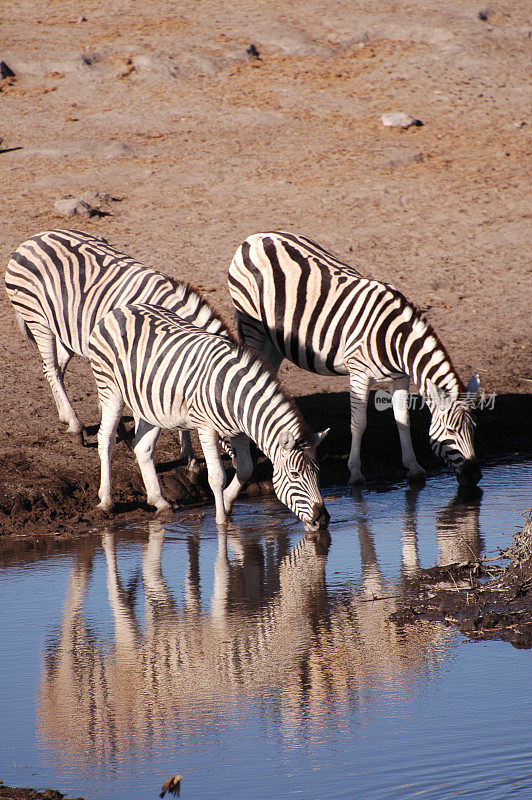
(62, 282)
(294, 300)
(174, 375)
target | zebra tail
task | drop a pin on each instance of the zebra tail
(225, 444)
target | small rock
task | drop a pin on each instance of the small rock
(404, 159)
(74, 207)
(483, 14)
(118, 150)
(6, 71)
(89, 59)
(398, 119)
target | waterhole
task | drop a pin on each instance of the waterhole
(260, 663)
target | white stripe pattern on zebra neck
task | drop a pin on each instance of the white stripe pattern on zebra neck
(174, 375)
(295, 300)
(62, 282)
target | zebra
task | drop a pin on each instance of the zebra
(61, 282)
(295, 300)
(172, 374)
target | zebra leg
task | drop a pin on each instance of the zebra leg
(243, 466)
(55, 359)
(144, 442)
(359, 383)
(215, 470)
(399, 390)
(63, 358)
(112, 407)
(188, 455)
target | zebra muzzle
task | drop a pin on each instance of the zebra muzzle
(469, 474)
(319, 519)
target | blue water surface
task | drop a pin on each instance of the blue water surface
(260, 664)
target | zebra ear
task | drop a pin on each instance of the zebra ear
(473, 385)
(317, 438)
(287, 440)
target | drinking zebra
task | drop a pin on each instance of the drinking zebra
(174, 375)
(62, 282)
(294, 300)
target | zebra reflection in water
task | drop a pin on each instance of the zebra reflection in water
(272, 626)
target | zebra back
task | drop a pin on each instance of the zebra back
(323, 315)
(65, 281)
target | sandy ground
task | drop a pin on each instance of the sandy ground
(193, 144)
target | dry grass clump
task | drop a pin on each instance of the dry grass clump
(521, 549)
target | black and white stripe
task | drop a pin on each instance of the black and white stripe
(171, 374)
(62, 282)
(294, 300)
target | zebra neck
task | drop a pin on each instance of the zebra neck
(267, 414)
(424, 358)
(266, 435)
(436, 368)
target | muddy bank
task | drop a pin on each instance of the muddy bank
(49, 484)
(18, 793)
(484, 600)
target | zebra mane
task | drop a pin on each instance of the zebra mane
(418, 316)
(177, 283)
(432, 332)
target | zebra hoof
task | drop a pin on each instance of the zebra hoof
(193, 466)
(356, 480)
(161, 508)
(418, 476)
(106, 509)
(77, 437)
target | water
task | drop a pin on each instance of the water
(258, 664)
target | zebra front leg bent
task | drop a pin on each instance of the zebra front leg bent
(112, 407)
(243, 466)
(359, 383)
(399, 391)
(209, 443)
(144, 442)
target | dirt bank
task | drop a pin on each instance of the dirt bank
(482, 599)
(19, 793)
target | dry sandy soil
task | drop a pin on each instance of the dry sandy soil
(192, 144)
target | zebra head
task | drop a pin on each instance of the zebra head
(451, 433)
(295, 479)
